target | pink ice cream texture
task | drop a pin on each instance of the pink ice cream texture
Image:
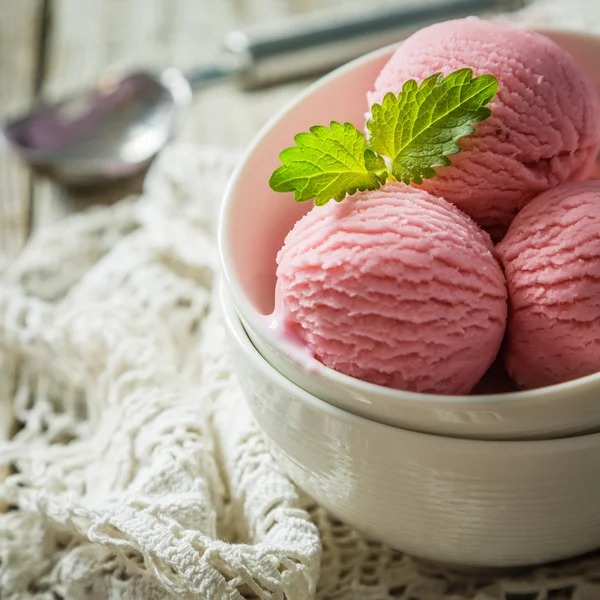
(551, 258)
(545, 124)
(395, 287)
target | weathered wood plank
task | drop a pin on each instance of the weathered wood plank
(7, 421)
(75, 54)
(19, 29)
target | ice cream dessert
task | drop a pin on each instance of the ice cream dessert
(551, 258)
(544, 128)
(395, 287)
(391, 277)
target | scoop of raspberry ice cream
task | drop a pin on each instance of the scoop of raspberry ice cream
(545, 124)
(551, 258)
(395, 287)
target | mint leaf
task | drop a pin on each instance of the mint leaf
(376, 165)
(328, 163)
(419, 128)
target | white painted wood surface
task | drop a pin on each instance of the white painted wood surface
(19, 35)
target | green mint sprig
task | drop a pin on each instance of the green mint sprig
(328, 163)
(416, 130)
(419, 128)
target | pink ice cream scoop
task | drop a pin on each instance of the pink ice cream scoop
(395, 287)
(545, 124)
(551, 257)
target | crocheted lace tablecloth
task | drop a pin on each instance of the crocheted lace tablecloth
(137, 472)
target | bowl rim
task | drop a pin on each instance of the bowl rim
(341, 380)
(234, 325)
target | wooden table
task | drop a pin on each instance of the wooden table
(48, 47)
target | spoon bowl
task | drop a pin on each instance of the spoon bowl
(108, 132)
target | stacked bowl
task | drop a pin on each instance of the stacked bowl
(508, 478)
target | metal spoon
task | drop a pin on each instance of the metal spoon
(115, 129)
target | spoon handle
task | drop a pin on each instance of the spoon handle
(218, 71)
(317, 42)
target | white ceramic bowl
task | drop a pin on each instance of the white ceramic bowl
(463, 502)
(253, 223)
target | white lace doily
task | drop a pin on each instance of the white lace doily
(137, 472)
